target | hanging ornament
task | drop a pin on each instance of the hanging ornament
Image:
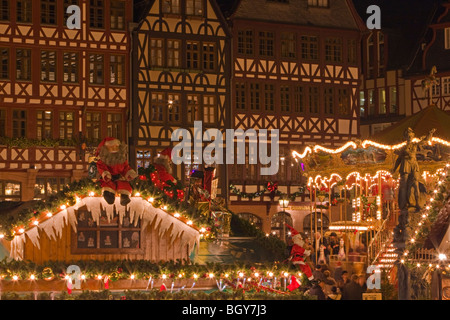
(114, 276)
(106, 282)
(48, 274)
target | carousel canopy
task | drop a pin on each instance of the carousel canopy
(421, 122)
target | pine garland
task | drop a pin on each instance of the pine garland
(155, 294)
(440, 199)
(246, 195)
(271, 187)
(140, 269)
(170, 197)
(24, 143)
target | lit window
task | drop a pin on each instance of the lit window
(44, 125)
(10, 191)
(446, 86)
(117, 69)
(48, 66)
(194, 7)
(117, 15)
(70, 62)
(318, 3)
(171, 6)
(66, 125)
(96, 68)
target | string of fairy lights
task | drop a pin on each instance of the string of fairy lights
(443, 174)
(364, 144)
(266, 278)
(39, 218)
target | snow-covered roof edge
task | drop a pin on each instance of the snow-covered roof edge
(139, 209)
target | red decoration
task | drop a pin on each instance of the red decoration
(294, 284)
(272, 187)
(69, 286)
(106, 282)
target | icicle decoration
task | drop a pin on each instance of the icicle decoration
(138, 209)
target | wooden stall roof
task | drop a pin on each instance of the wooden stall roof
(138, 208)
(421, 122)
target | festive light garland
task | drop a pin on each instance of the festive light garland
(270, 278)
(72, 194)
(432, 208)
(364, 145)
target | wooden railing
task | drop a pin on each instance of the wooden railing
(424, 256)
(383, 238)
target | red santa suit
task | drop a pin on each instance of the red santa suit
(161, 175)
(115, 178)
(298, 253)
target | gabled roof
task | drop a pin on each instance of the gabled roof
(228, 6)
(339, 15)
(421, 122)
(405, 23)
(138, 209)
(141, 8)
(433, 53)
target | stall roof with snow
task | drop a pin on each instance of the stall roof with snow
(93, 229)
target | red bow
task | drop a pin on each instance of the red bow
(272, 187)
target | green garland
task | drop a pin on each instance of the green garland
(25, 143)
(167, 197)
(246, 195)
(155, 294)
(9, 221)
(440, 199)
(140, 269)
(252, 195)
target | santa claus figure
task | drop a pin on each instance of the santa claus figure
(298, 253)
(114, 170)
(163, 166)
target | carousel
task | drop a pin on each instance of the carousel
(356, 186)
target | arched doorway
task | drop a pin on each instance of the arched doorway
(310, 221)
(252, 218)
(278, 222)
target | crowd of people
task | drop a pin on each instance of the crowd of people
(323, 282)
(337, 286)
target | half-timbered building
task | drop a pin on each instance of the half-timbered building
(434, 53)
(180, 75)
(295, 69)
(398, 58)
(59, 88)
